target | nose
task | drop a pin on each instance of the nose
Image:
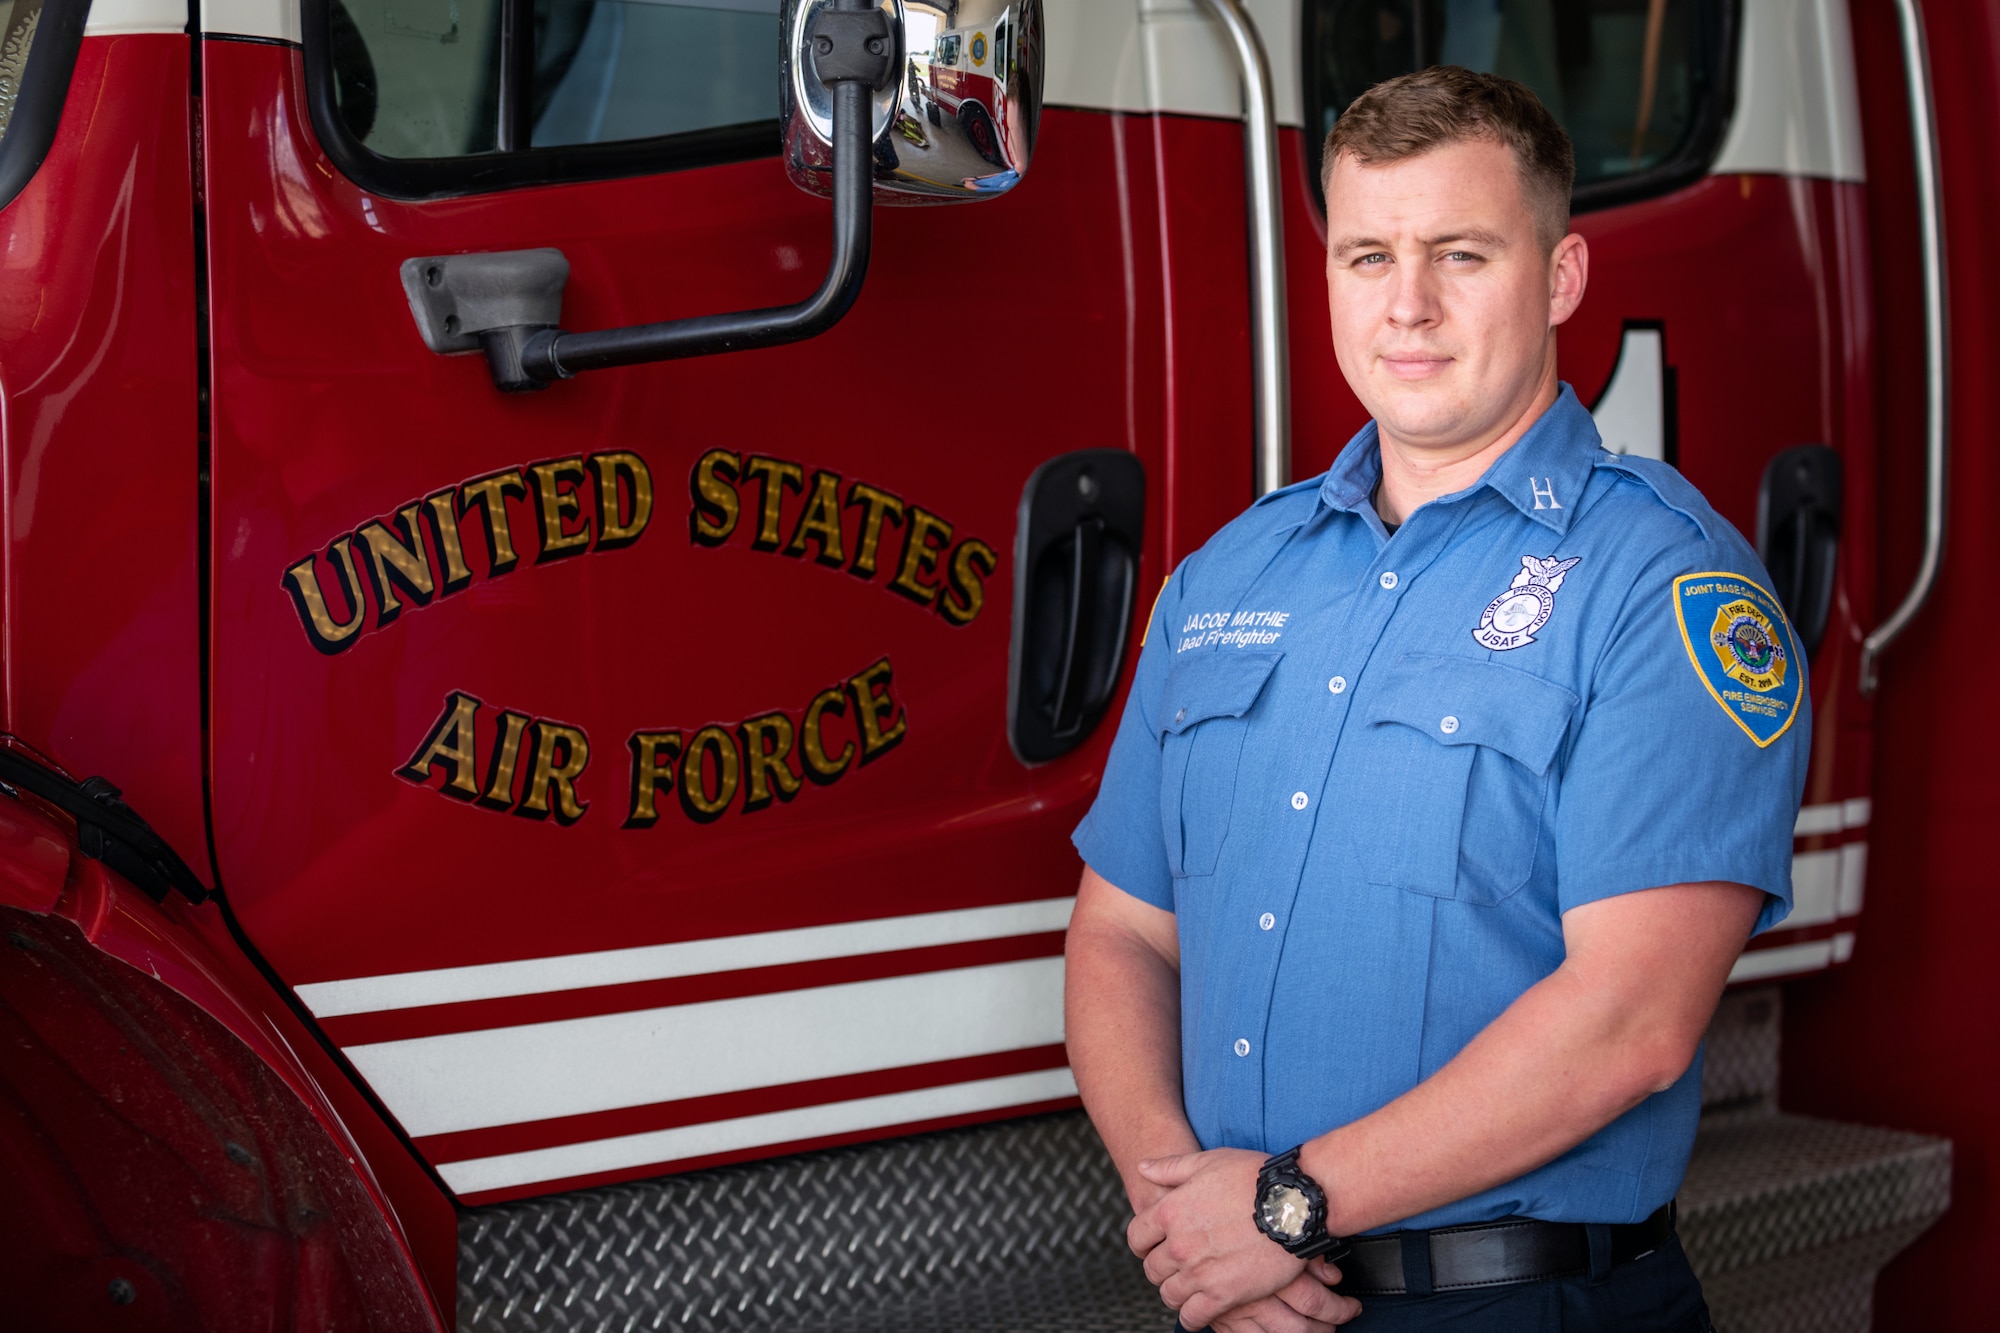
(1413, 302)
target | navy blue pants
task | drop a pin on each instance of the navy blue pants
(1656, 1294)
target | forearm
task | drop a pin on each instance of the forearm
(1544, 1076)
(1122, 1024)
(1574, 1052)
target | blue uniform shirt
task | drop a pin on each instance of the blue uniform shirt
(1368, 773)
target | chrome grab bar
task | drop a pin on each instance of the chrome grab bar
(1930, 221)
(1270, 357)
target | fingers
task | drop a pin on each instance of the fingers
(1144, 1232)
(1313, 1301)
(1269, 1315)
(1161, 1269)
(1171, 1171)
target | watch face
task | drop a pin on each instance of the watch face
(1286, 1210)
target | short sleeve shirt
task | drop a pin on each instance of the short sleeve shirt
(1369, 773)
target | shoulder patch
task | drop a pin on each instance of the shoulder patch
(1743, 649)
(1155, 610)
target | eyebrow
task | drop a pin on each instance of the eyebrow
(1484, 240)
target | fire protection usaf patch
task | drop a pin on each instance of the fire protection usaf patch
(1511, 619)
(1743, 650)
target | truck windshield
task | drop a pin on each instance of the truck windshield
(1631, 80)
(421, 78)
(18, 20)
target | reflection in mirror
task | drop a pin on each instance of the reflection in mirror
(959, 123)
(18, 21)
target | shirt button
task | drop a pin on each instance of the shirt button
(1181, 716)
(1266, 921)
(1299, 800)
(1448, 726)
(1388, 578)
(1243, 1046)
(1338, 684)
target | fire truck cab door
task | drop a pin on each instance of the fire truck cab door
(620, 772)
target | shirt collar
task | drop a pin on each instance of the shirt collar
(1542, 474)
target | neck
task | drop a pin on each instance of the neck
(1414, 474)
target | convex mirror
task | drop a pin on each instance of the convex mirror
(959, 120)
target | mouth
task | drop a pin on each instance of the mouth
(1415, 365)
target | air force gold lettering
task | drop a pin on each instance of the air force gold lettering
(768, 757)
(551, 755)
(595, 502)
(839, 532)
(531, 766)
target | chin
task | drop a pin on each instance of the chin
(1421, 415)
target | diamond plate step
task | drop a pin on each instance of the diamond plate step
(1019, 1228)
(1014, 1226)
(1788, 1219)
(1739, 1065)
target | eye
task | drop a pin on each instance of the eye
(1375, 260)
(1461, 257)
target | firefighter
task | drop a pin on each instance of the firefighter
(1450, 785)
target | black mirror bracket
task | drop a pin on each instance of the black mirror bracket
(508, 304)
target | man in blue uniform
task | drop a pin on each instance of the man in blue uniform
(1450, 785)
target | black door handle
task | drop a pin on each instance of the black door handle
(1798, 535)
(1087, 554)
(1076, 565)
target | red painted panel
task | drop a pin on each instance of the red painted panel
(159, 1172)
(329, 413)
(346, 859)
(34, 858)
(144, 1044)
(100, 661)
(1905, 1034)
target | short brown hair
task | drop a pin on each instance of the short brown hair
(1414, 113)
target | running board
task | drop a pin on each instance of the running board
(1019, 1226)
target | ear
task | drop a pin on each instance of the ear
(1569, 274)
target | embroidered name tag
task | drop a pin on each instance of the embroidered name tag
(1743, 650)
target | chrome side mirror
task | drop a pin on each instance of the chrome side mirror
(959, 121)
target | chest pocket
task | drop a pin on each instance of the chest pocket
(1202, 721)
(1461, 751)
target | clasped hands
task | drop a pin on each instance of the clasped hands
(1211, 1263)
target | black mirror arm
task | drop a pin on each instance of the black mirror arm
(854, 56)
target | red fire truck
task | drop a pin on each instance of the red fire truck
(403, 935)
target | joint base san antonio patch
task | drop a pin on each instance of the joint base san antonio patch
(1743, 649)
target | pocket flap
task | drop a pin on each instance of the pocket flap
(1212, 683)
(1459, 701)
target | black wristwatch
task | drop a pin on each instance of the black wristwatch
(1291, 1209)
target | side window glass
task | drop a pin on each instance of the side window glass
(637, 69)
(424, 84)
(417, 78)
(1637, 83)
(18, 21)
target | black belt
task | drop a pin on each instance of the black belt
(1494, 1254)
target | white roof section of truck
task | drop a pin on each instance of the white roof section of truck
(1798, 107)
(113, 18)
(1165, 55)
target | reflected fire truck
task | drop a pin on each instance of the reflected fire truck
(964, 76)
